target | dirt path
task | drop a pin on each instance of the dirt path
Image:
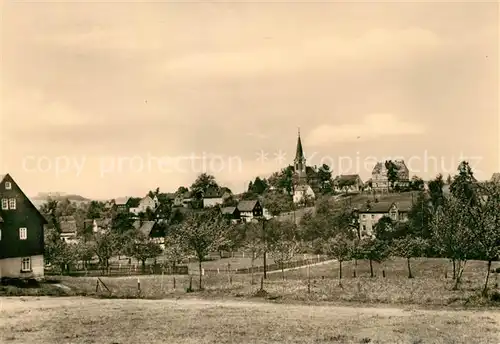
(75, 320)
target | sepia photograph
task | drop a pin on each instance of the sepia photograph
(250, 172)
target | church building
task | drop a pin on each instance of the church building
(304, 175)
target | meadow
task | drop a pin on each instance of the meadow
(432, 285)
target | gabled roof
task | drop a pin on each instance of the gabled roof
(377, 207)
(228, 210)
(44, 220)
(247, 205)
(121, 200)
(147, 227)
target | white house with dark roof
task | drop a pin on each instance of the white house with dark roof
(249, 210)
(145, 203)
(370, 215)
(303, 194)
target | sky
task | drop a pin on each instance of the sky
(110, 99)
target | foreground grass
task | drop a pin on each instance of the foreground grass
(428, 288)
(79, 320)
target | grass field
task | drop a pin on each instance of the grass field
(194, 321)
(428, 288)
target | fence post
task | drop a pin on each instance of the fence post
(97, 285)
(162, 280)
(174, 283)
(262, 283)
(218, 271)
(203, 271)
(138, 286)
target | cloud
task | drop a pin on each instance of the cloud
(372, 127)
(374, 46)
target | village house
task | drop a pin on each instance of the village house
(122, 204)
(183, 200)
(231, 213)
(380, 181)
(97, 225)
(21, 233)
(68, 229)
(371, 214)
(144, 204)
(249, 210)
(154, 230)
(348, 183)
(303, 194)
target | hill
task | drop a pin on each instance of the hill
(42, 198)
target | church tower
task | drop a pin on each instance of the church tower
(299, 162)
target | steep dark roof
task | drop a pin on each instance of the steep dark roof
(146, 227)
(378, 207)
(121, 200)
(247, 205)
(299, 153)
(228, 210)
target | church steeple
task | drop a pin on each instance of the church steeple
(300, 160)
(299, 154)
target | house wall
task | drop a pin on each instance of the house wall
(211, 202)
(367, 222)
(11, 267)
(246, 216)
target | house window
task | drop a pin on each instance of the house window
(8, 186)
(23, 233)
(373, 216)
(26, 264)
(12, 203)
(5, 204)
(364, 216)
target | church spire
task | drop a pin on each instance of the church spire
(299, 154)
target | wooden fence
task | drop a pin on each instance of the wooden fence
(117, 270)
(270, 267)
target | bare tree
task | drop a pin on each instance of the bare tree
(339, 248)
(202, 232)
(282, 242)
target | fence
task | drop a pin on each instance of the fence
(117, 270)
(270, 267)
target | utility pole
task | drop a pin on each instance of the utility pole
(264, 236)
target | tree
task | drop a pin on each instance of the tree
(464, 185)
(486, 231)
(254, 242)
(285, 181)
(258, 186)
(392, 172)
(51, 212)
(345, 184)
(203, 182)
(122, 223)
(282, 242)
(339, 248)
(181, 190)
(374, 250)
(420, 216)
(202, 232)
(409, 247)
(277, 203)
(436, 191)
(85, 252)
(95, 210)
(174, 250)
(142, 249)
(105, 247)
(325, 179)
(416, 184)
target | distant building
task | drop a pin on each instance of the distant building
(348, 183)
(250, 210)
(370, 215)
(231, 213)
(21, 233)
(145, 203)
(303, 194)
(121, 204)
(380, 181)
(303, 174)
(212, 197)
(69, 232)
